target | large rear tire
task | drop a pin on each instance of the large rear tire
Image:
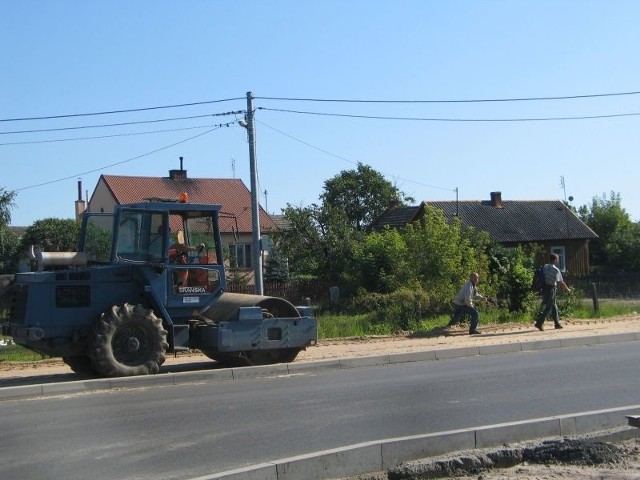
(80, 364)
(128, 340)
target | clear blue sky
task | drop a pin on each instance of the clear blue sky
(72, 57)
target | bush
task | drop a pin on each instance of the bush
(512, 269)
(568, 304)
(399, 310)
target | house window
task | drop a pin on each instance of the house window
(241, 255)
(562, 265)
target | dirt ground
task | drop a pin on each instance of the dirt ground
(623, 462)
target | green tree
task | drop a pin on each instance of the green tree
(7, 202)
(275, 269)
(512, 273)
(301, 242)
(443, 255)
(97, 242)
(616, 245)
(8, 240)
(8, 249)
(382, 262)
(320, 240)
(363, 194)
(623, 249)
(51, 235)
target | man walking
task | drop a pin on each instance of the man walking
(463, 304)
(552, 279)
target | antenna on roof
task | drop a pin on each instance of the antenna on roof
(457, 203)
(563, 188)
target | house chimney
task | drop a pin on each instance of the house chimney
(80, 205)
(496, 199)
(178, 174)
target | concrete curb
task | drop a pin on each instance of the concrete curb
(204, 376)
(377, 456)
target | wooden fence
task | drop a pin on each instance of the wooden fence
(619, 285)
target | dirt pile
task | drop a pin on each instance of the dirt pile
(585, 458)
(552, 453)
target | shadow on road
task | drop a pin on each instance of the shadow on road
(18, 381)
(445, 332)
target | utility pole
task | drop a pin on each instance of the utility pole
(256, 250)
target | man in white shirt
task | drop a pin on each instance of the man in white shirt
(463, 304)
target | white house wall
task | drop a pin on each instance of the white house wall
(102, 200)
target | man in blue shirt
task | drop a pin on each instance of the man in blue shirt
(552, 280)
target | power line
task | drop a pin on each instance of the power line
(435, 119)
(484, 100)
(117, 163)
(294, 99)
(98, 137)
(349, 161)
(111, 112)
(108, 125)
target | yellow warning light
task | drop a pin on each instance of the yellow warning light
(184, 197)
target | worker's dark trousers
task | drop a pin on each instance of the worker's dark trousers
(550, 307)
(459, 311)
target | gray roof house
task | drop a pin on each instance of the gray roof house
(549, 223)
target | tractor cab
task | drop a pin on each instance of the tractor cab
(176, 245)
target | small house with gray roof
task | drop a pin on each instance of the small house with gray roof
(548, 223)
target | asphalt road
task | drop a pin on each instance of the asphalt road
(182, 432)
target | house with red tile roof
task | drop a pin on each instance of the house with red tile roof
(231, 193)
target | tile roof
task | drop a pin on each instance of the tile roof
(519, 221)
(231, 193)
(514, 221)
(281, 222)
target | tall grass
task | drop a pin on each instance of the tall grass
(607, 308)
(17, 353)
(340, 326)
